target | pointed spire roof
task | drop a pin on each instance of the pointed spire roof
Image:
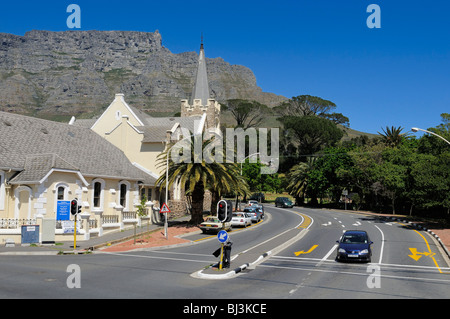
(201, 87)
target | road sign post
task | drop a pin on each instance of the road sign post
(222, 236)
(75, 209)
(165, 210)
(221, 257)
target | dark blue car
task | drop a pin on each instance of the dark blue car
(354, 245)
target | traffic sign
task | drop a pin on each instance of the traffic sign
(165, 209)
(222, 236)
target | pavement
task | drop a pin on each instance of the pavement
(84, 246)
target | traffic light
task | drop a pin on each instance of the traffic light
(222, 210)
(74, 207)
(229, 211)
(225, 211)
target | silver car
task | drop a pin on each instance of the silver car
(254, 214)
(241, 219)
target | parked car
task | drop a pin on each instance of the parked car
(283, 202)
(252, 202)
(354, 245)
(213, 224)
(241, 219)
(254, 214)
(260, 208)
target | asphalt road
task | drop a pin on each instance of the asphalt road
(405, 264)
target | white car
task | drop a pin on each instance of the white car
(252, 202)
(241, 219)
(213, 224)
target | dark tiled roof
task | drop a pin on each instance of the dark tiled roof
(33, 145)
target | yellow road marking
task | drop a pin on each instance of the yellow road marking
(430, 252)
(303, 252)
(307, 221)
(416, 255)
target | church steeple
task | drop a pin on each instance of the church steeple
(201, 102)
(201, 86)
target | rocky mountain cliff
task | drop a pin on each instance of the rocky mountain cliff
(51, 74)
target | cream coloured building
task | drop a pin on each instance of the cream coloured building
(143, 137)
(107, 164)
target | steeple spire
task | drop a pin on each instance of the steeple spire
(201, 87)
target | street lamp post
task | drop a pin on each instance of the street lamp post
(416, 129)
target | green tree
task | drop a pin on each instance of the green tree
(361, 175)
(392, 136)
(246, 113)
(298, 179)
(305, 105)
(196, 175)
(430, 144)
(312, 133)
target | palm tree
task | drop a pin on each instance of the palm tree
(392, 136)
(298, 179)
(196, 176)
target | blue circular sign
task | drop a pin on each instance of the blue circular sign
(222, 236)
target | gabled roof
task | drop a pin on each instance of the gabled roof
(35, 146)
(156, 129)
(38, 167)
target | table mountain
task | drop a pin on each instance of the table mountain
(51, 74)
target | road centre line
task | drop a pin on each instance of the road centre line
(355, 273)
(328, 254)
(382, 244)
(253, 247)
(306, 222)
(157, 257)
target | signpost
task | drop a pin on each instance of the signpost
(165, 210)
(63, 210)
(222, 236)
(224, 214)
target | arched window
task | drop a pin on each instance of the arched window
(22, 198)
(124, 186)
(60, 193)
(98, 194)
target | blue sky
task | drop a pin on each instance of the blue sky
(398, 75)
